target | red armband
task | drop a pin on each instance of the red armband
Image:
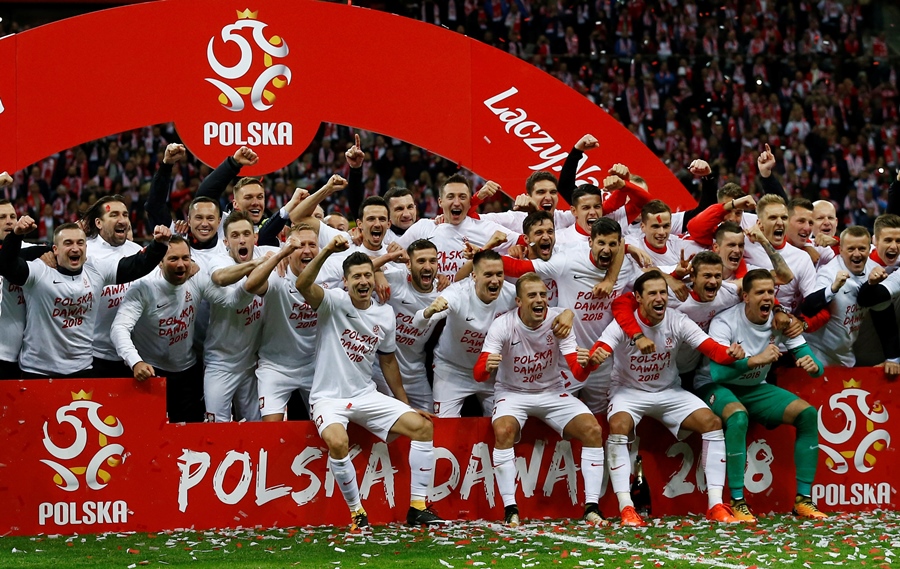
(480, 373)
(716, 352)
(516, 267)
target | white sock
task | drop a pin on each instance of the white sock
(620, 468)
(345, 476)
(505, 473)
(713, 458)
(592, 472)
(421, 468)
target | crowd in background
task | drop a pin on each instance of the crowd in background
(690, 78)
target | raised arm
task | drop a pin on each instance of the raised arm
(270, 228)
(306, 281)
(770, 183)
(709, 186)
(144, 261)
(569, 172)
(781, 272)
(12, 266)
(214, 185)
(305, 209)
(157, 204)
(258, 280)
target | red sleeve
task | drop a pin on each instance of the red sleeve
(623, 309)
(522, 241)
(638, 196)
(473, 207)
(602, 345)
(516, 267)
(702, 227)
(821, 318)
(479, 372)
(579, 372)
(615, 200)
(716, 352)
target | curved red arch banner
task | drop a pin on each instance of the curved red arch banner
(268, 73)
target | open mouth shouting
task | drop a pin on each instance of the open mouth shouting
(765, 309)
(493, 289)
(243, 254)
(659, 308)
(778, 235)
(363, 291)
(604, 260)
(75, 259)
(426, 278)
(121, 231)
(456, 213)
(377, 234)
(544, 249)
(539, 310)
(890, 255)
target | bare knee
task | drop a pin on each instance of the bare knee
(709, 422)
(620, 424)
(505, 433)
(338, 443)
(423, 431)
(588, 431)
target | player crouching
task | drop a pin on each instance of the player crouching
(526, 349)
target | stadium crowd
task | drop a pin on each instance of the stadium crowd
(252, 290)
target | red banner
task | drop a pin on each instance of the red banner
(91, 456)
(268, 75)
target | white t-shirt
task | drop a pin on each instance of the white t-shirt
(155, 322)
(804, 282)
(571, 234)
(111, 297)
(833, 342)
(669, 255)
(532, 357)
(410, 339)
(346, 346)
(731, 326)
(233, 336)
(289, 325)
(702, 313)
(60, 312)
(657, 371)
(468, 321)
(450, 239)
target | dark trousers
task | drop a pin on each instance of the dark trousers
(109, 368)
(10, 370)
(184, 394)
(85, 373)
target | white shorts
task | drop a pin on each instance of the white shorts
(452, 386)
(277, 383)
(670, 406)
(554, 408)
(374, 411)
(222, 386)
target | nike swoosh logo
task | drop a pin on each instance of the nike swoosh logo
(516, 343)
(576, 277)
(162, 305)
(349, 315)
(347, 483)
(404, 302)
(58, 282)
(469, 319)
(617, 467)
(595, 464)
(425, 469)
(723, 460)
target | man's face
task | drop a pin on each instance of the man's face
(319, 213)
(824, 219)
(403, 212)
(70, 248)
(8, 219)
(338, 222)
(731, 249)
(603, 249)
(532, 303)
(252, 199)
(759, 300)
(887, 244)
(455, 202)
(855, 253)
(800, 226)
(240, 239)
(204, 221)
(656, 228)
(359, 282)
(488, 277)
(309, 248)
(113, 223)
(423, 267)
(374, 224)
(588, 210)
(176, 265)
(773, 221)
(541, 238)
(545, 194)
(654, 299)
(707, 281)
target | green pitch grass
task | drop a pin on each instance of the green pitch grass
(864, 540)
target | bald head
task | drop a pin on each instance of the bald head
(824, 218)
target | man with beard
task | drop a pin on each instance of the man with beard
(838, 285)
(536, 389)
(738, 392)
(578, 272)
(413, 289)
(644, 386)
(61, 303)
(153, 331)
(107, 226)
(451, 236)
(352, 329)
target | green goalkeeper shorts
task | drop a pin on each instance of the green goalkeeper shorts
(765, 403)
